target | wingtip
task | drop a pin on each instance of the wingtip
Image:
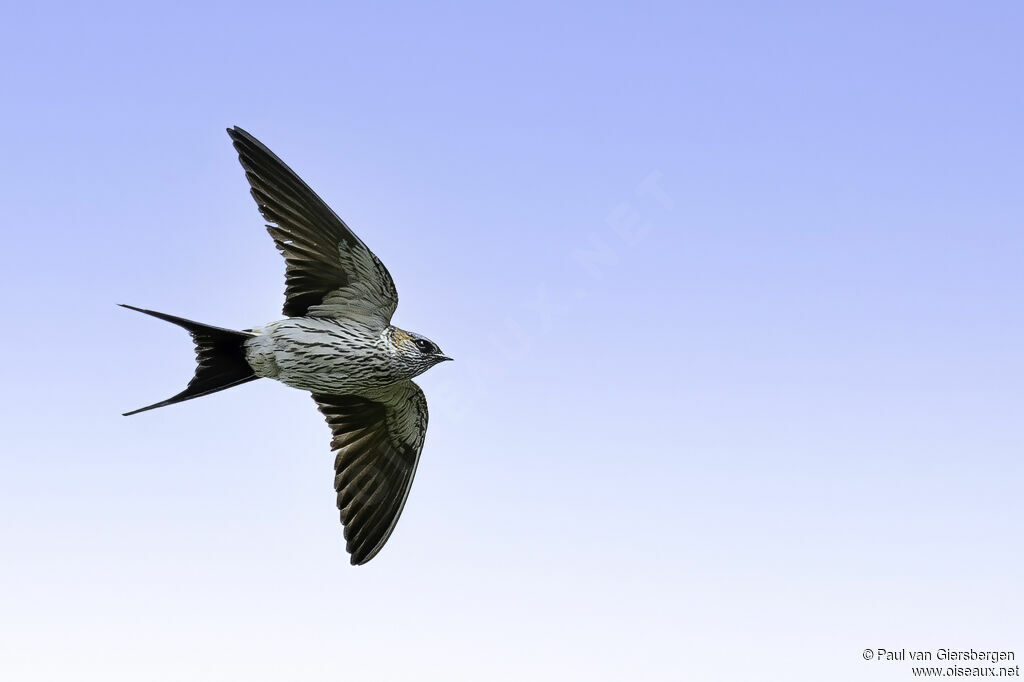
(236, 133)
(357, 556)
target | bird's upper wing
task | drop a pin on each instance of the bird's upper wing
(378, 443)
(329, 270)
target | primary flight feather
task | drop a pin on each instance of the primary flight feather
(336, 341)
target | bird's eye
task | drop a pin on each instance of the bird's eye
(425, 345)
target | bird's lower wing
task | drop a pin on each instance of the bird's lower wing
(377, 442)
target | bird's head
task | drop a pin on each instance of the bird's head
(416, 353)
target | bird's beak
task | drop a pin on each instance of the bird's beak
(445, 357)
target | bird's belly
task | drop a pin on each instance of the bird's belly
(321, 379)
(318, 358)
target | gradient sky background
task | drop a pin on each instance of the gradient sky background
(734, 292)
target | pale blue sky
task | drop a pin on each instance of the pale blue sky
(734, 292)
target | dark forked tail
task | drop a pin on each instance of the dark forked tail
(220, 359)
